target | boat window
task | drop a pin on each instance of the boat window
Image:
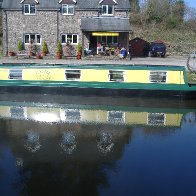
(72, 115)
(72, 74)
(156, 119)
(117, 76)
(115, 117)
(15, 74)
(158, 76)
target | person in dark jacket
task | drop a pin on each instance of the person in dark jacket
(130, 52)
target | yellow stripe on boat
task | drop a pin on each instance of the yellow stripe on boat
(93, 75)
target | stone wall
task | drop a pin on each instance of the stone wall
(71, 24)
(43, 23)
(49, 24)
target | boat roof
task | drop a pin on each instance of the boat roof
(93, 66)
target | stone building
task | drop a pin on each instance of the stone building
(87, 22)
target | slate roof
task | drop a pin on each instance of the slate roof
(105, 24)
(54, 4)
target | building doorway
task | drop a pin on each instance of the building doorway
(93, 44)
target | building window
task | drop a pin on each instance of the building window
(109, 40)
(35, 38)
(72, 74)
(69, 38)
(107, 9)
(116, 76)
(29, 9)
(15, 74)
(158, 76)
(67, 9)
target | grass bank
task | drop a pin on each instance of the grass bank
(180, 41)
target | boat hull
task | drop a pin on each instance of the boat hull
(140, 93)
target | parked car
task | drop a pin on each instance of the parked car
(157, 49)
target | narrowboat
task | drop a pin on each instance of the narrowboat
(100, 80)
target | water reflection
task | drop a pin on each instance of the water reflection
(104, 142)
(66, 149)
(84, 114)
(68, 142)
(32, 142)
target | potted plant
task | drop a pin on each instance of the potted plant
(44, 49)
(20, 46)
(59, 50)
(79, 51)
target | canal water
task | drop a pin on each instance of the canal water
(67, 145)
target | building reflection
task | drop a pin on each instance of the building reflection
(68, 142)
(32, 142)
(67, 157)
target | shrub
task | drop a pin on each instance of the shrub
(44, 47)
(20, 45)
(59, 47)
(79, 47)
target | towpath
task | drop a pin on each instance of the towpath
(179, 61)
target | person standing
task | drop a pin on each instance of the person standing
(130, 52)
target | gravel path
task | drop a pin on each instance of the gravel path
(179, 61)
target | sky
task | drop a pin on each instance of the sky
(191, 3)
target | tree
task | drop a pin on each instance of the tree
(135, 11)
(135, 8)
(179, 10)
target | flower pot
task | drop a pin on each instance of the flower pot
(58, 55)
(43, 53)
(38, 56)
(79, 55)
(11, 53)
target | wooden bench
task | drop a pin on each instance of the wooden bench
(69, 57)
(23, 55)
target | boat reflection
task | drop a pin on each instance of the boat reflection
(84, 114)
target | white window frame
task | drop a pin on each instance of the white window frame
(35, 41)
(66, 7)
(15, 71)
(107, 8)
(156, 73)
(29, 6)
(115, 72)
(66, 38)
(73, 72)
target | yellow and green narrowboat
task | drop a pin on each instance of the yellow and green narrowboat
(103, 80)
